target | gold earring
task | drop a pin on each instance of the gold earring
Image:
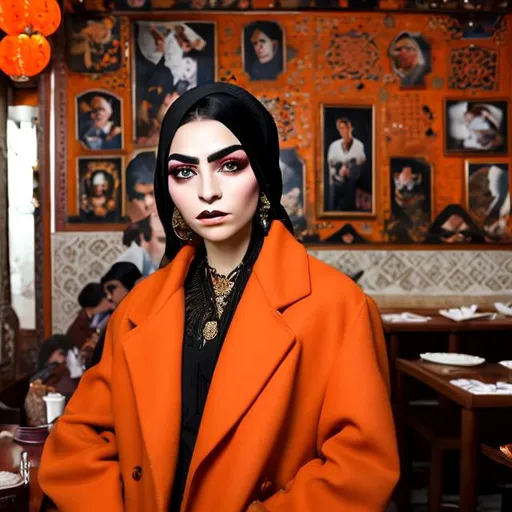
(180, 227)
(263, 212)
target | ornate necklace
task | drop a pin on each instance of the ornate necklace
(222, 288)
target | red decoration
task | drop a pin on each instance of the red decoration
(23, 56)
(29, 16)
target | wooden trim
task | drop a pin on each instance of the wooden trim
(43, 237)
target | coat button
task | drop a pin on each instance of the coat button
(266, 486)
(137, 473)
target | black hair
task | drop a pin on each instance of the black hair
(123, 271)
(270, 28)
(140, 170)
(91, 295)
(135, 229)
(248, 120)
(51, 344)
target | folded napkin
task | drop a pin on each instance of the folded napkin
(506, 449)
(404, 317)
(506, 364)
(465, 313)
(504, 309)
(477, 387)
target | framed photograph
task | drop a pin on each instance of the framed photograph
(411, 199)
(99, 120)
(482, 27)
(197, 5)
(169, 59)
(99, 189)
(488, 198)
(410, 58)
(348, 176)
(128, 5)
(293, 172)
(139, 190)
(264, 50)
(476, 126)
(94, 44)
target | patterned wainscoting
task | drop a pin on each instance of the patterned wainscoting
(393, 278)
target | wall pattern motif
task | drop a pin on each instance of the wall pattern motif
(394, 278)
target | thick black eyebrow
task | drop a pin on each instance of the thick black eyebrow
(223, 152)
(183, 158)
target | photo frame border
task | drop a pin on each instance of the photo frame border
(99, 151)
(122, 219)
(133, 77)
(320, 212)
(467, 153)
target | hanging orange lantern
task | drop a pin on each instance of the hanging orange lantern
(29, 16)
(23, 56)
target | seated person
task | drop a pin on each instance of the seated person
(53, 370)
(93, 302)
(117, 283)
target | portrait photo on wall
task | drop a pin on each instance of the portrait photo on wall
(169, 59)
(99, 120)
(411, 200)
(488, 198)
(454, 225)
(99, 191)
(476, 126)
(197, 5)
(411, 59)
(293, 173)
(139, 191)
(482, 27)
(94, 44)
(128, 5)
(264, 50)
(348, 161)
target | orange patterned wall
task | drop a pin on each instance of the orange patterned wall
(334, 58)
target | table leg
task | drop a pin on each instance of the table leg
(403, 490)
(468, 461)
(453, 342)
(393, 356)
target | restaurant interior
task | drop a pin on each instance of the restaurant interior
(386, 110)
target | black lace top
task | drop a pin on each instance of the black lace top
(201, 347)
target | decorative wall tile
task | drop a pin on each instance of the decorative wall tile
(394, 278)
(77, 259)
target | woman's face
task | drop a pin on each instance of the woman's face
(264, 47)
(211, 181)
(406, 53)
(115, 291)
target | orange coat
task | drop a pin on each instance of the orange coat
(297, 416)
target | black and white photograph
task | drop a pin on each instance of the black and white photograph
(99, 120)
(94, 44)
(476, 126)
(198, 5)
(410, 58)
(488, 198)
(264, 50)
(293, 173)
(99, 189)
(411, 199)
(348, 161)
(170, 58)
(128, 5)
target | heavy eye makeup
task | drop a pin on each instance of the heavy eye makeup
(234, 162)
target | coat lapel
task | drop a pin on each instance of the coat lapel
(257, 342)
(153, 351)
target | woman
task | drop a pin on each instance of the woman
(296, 415)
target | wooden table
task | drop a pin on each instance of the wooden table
(439, 324)
(10, 458)
(438, 378)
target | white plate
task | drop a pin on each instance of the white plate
(506, 364)
(452, 359)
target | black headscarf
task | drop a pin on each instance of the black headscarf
(253, 126)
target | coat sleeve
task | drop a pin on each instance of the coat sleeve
(79, 468)
(357, 467)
